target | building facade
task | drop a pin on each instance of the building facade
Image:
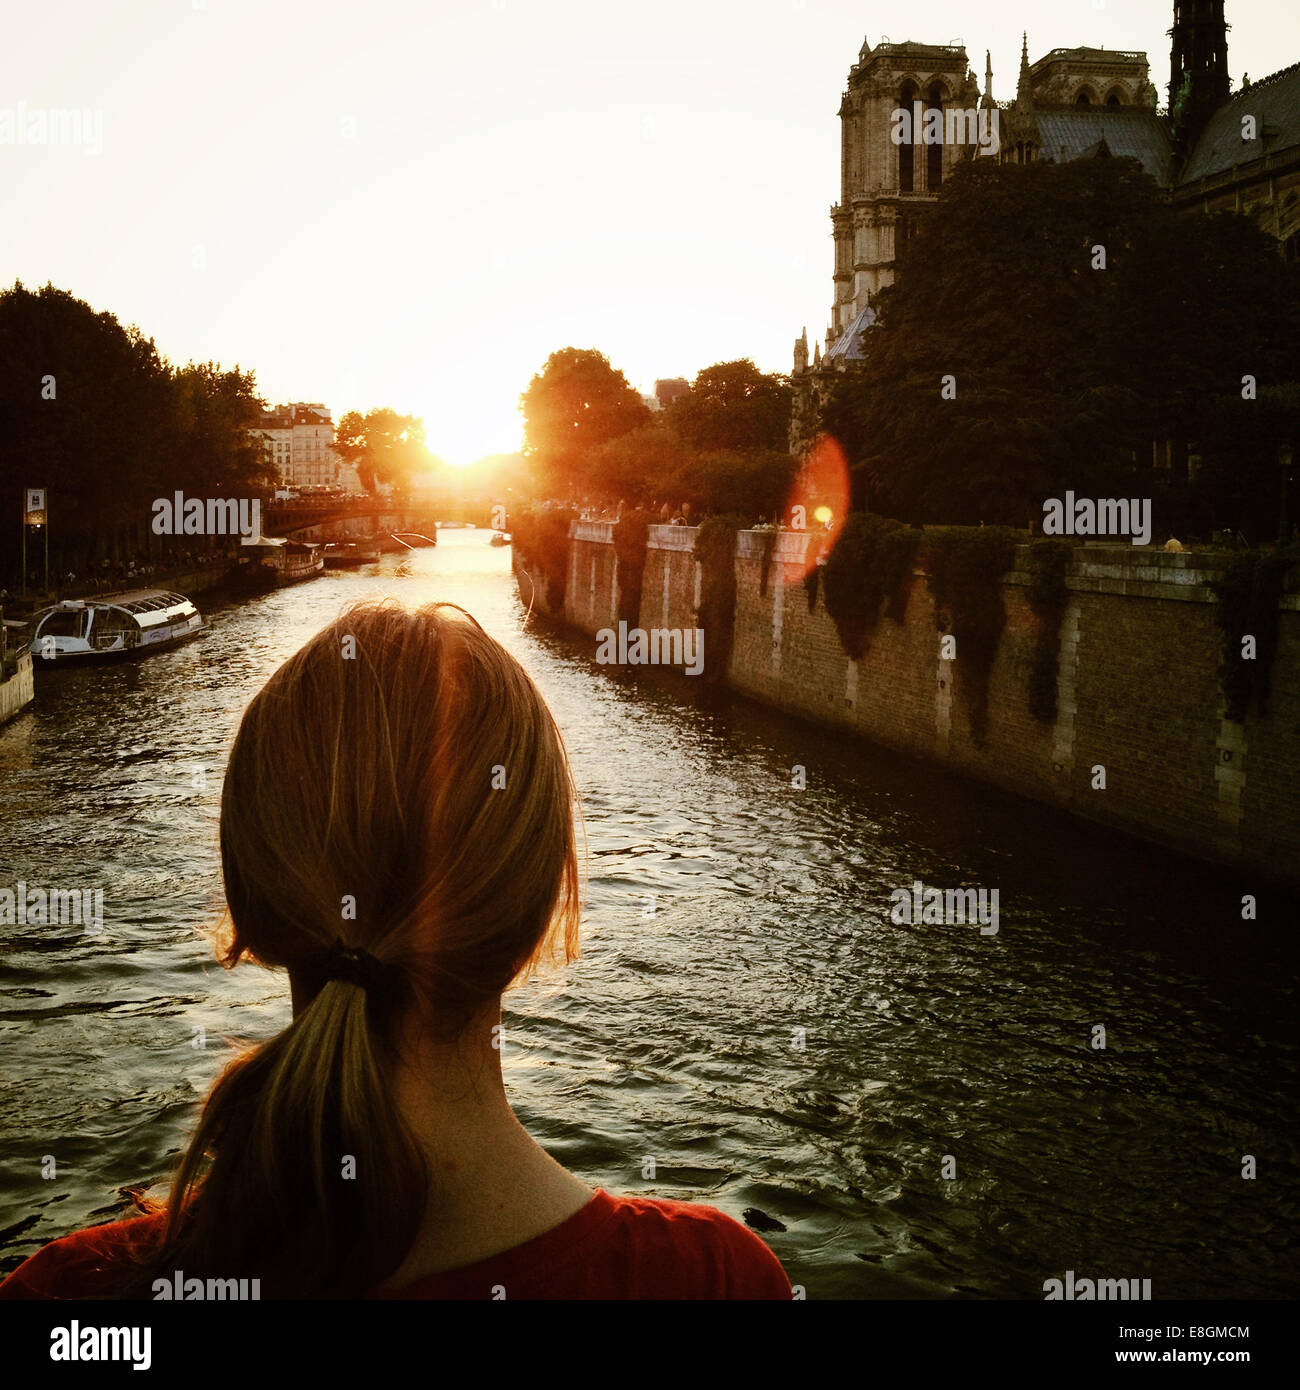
(886, 183)
(300, 442)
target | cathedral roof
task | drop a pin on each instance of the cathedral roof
(1090, 55)
(1275, 104)
(848, 346)
(1129, 133)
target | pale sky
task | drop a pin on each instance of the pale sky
(371, 202)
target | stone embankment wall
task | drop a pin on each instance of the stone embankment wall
(1138, 691)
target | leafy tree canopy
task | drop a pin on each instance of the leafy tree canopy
(94, 413)
(733, 406)
(576, 403)
(721, 447)
(1078, 317)
(383, 446)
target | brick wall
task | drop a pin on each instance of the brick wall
(591, 597)
(670, 589)
(1137, 688)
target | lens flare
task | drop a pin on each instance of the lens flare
(819, 498)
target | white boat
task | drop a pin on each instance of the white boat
(95, 629)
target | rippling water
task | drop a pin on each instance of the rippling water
(675, 1037)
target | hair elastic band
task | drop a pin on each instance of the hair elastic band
(354, 965)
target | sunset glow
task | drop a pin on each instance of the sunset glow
(414, 205)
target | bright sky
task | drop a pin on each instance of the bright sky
(371, 202)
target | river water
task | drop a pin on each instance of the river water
(746, 1024)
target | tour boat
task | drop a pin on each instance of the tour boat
(499, 538)
(272, 561)
(94, 629)
(340, 555)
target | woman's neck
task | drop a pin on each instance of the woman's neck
(491, 1187)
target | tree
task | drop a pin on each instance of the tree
(575, 404)
(383, 446)
(732, 406)
(1049, 321)
(641, 466)
(212, 451)
(92, 412)
(754, 484)
(84, 404)
(1249, 451)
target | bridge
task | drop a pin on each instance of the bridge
(293, 518)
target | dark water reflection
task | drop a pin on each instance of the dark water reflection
(674, 1039)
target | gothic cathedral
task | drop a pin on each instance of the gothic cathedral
(912, 111)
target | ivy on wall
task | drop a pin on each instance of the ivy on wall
(812, 575)
(965, 566)
(631, 532)
(765, 563)
(541, 540)
(1047, 596)
(715, 550)
(869, 565)
(1248, 593)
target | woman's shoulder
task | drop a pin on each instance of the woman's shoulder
(671, 1213)
(86, 1264)
(692, 1242)
(615, 1247)
(622, 1248)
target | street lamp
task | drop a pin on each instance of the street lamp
(36, 515)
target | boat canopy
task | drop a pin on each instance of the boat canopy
(273, 544)
(146, 600)
(147, 607)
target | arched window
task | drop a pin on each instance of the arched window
(907, 151)
(1083, 99)
(1115, 99)
(934, 153)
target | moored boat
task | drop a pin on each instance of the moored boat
(272, 561)
(499, 538)
(17, 686)
(126, 624)
(340, 555)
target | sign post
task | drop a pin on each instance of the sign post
(36, 513)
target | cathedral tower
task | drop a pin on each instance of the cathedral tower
(885, 184)
(1198, 68)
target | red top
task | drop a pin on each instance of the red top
(615, 1247)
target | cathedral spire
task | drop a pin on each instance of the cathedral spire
(1024, 88)
(988, 101)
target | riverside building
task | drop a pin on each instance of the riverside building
(300, 440)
